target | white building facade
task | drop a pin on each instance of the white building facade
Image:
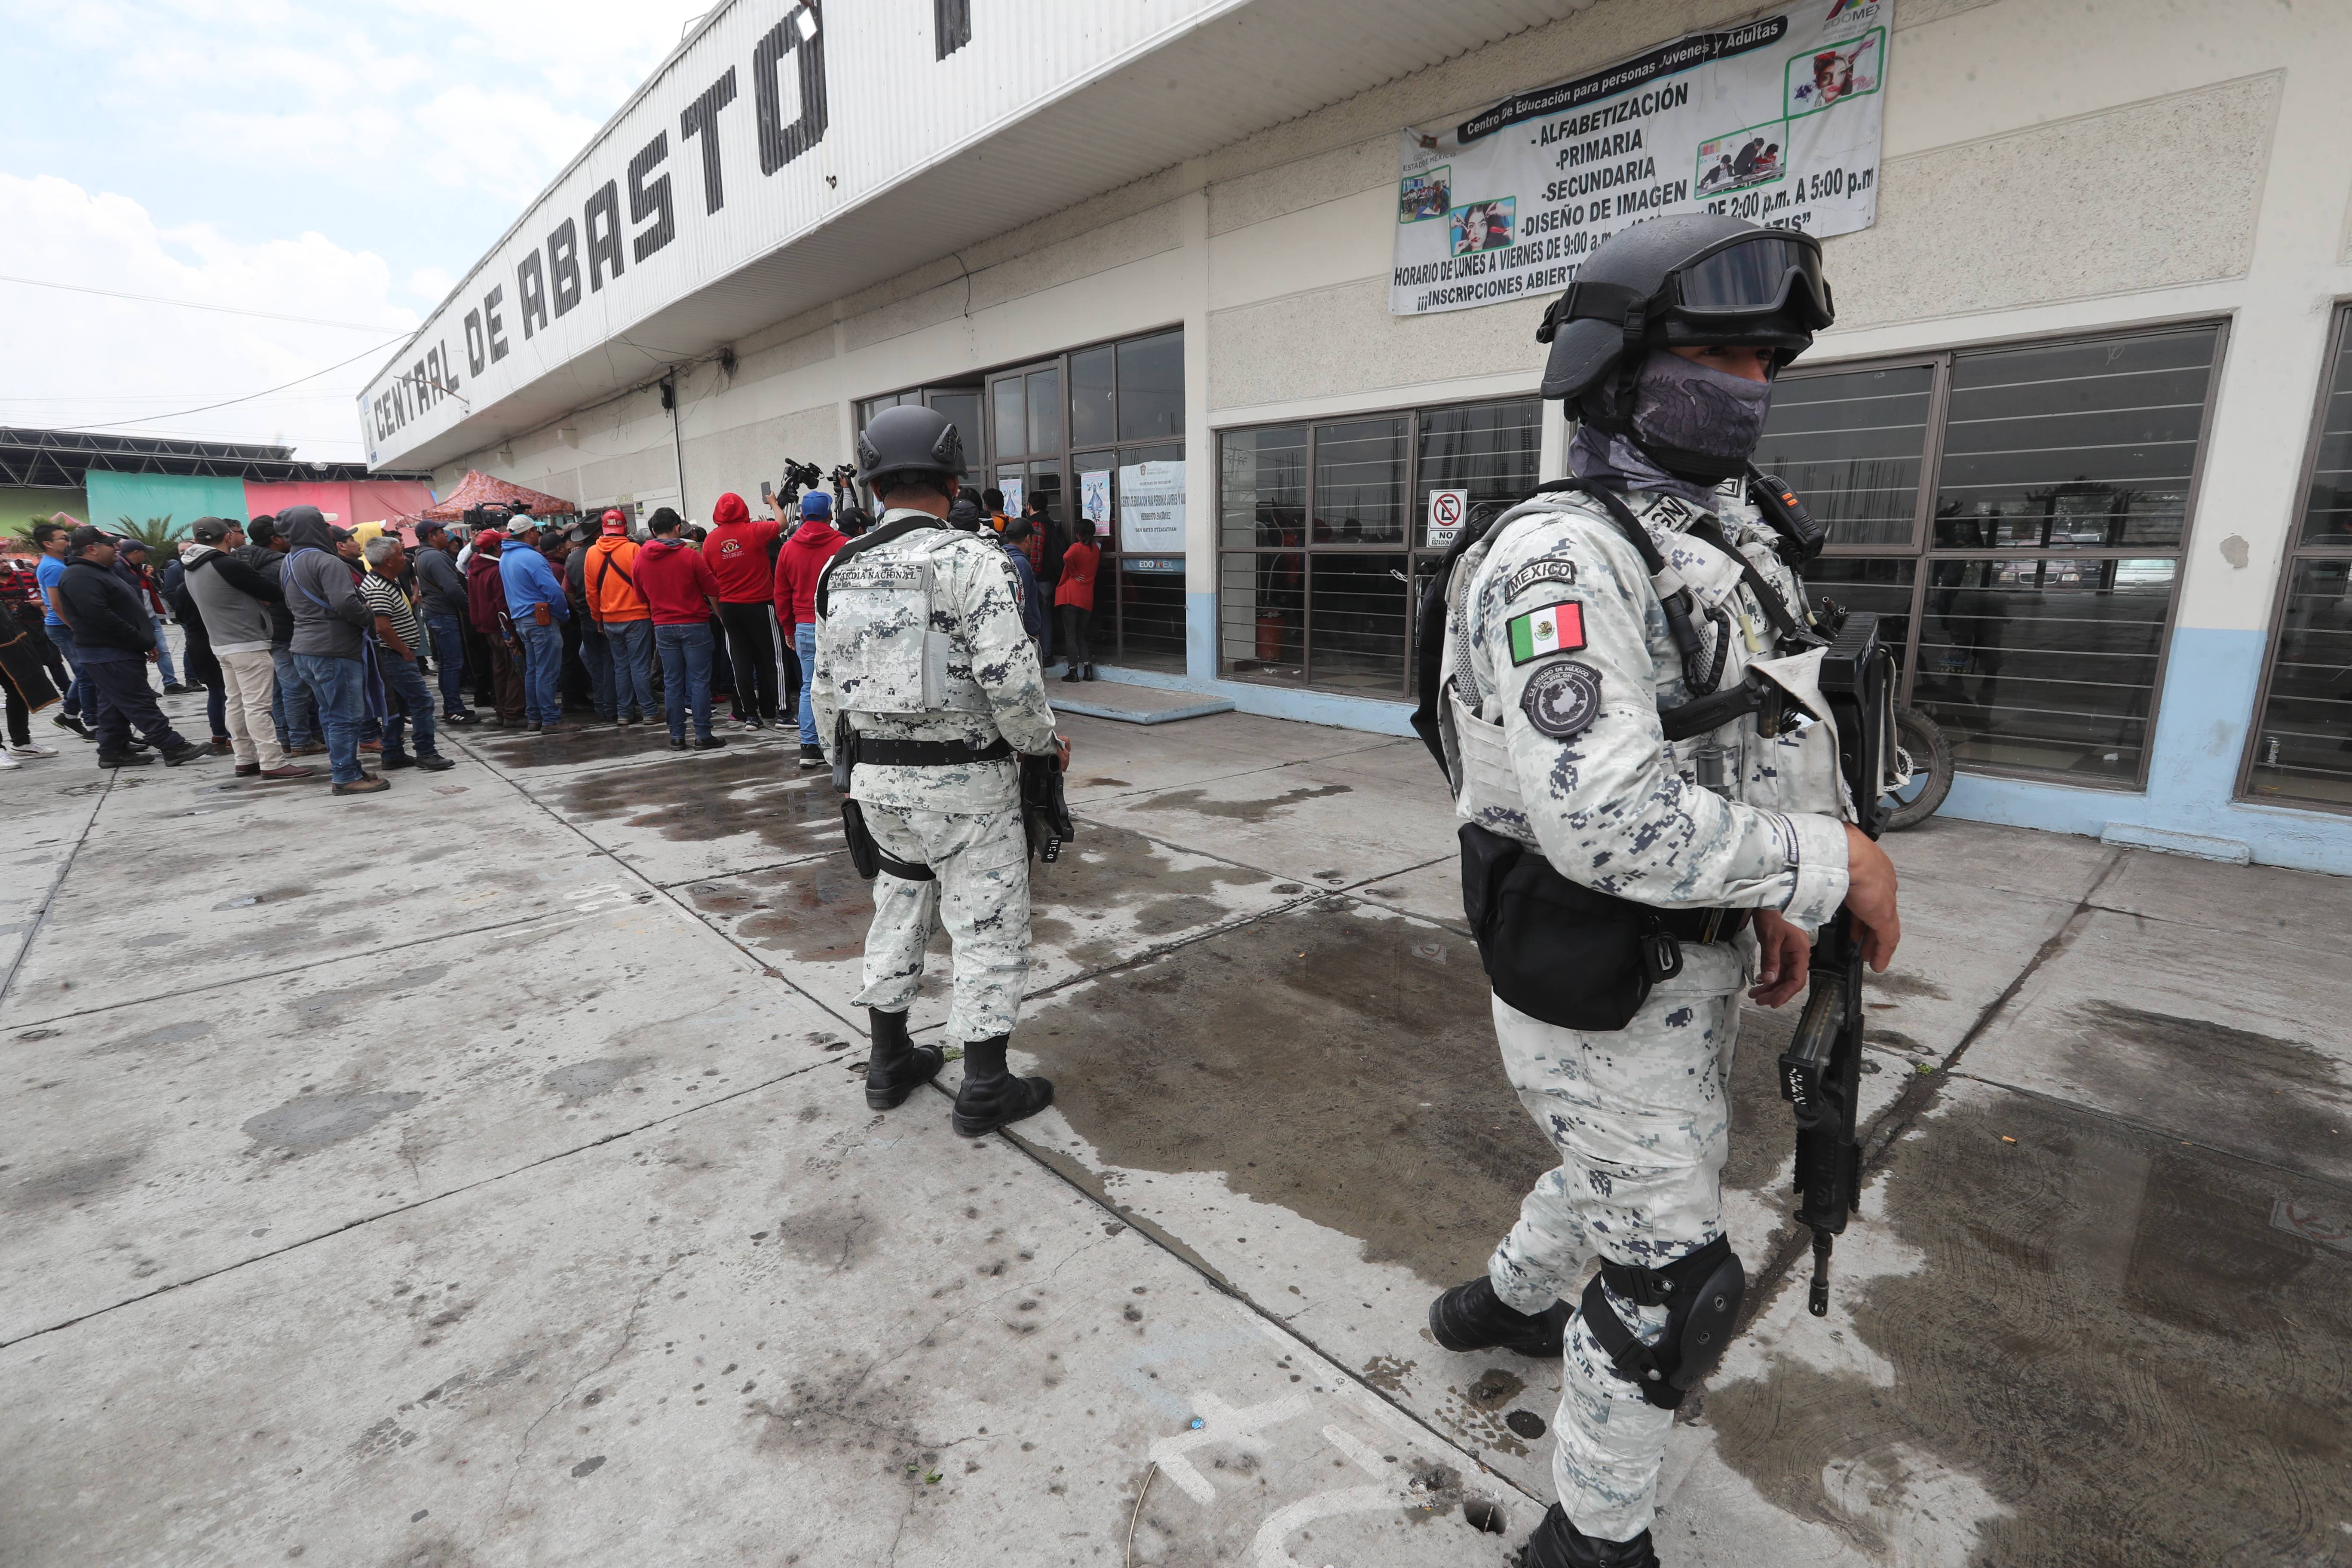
(2083, 427)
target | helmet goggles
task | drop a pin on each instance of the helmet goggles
(1765, 273)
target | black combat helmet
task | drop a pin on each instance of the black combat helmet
(1678, 282)
(909, 440)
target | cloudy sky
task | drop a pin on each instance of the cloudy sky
(336, 162)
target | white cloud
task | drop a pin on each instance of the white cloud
(78, 360)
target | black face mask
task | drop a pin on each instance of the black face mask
(1695, 422)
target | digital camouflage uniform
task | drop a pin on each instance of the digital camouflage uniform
(1641, 1116)
(963, 821)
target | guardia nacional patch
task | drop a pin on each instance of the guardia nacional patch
(1551, 569)
(1562, 700)
(1555, 628)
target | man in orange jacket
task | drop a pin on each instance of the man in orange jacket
(620, 610)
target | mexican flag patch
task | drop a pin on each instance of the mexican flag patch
(1555, 628)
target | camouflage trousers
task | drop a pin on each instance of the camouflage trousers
(980, 867)
(1641, 1118)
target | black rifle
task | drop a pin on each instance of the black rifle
(1821, 1072)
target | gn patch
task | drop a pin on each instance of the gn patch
(1555, 628)
(1562, 700)
(1549, 570)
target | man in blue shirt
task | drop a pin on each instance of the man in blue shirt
(51, 537)
(536, 602)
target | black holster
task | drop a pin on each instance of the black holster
(1044, 811)
(1559, 953)
(866, 857)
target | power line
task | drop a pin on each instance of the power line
(184, 413)
(193, 305)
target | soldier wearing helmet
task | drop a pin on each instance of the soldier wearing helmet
(1625, 690)
(926, 687)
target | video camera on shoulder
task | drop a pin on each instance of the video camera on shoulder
(799, 476)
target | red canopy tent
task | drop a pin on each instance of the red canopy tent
(480, 489)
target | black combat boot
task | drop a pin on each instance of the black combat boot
(1557, 1543)
(897, 1067)
(991, 1097)
(1472, 1318)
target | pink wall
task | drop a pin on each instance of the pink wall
(353, 501)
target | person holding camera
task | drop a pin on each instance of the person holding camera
(927, 678)
(1649, 830)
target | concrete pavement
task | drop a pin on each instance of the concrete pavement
(477, 1174)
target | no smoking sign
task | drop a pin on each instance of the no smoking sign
(1446, 510)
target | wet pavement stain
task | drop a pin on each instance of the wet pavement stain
(812, 912)
(581, 1081)
(731, 797)
(591, 742)
(1318, 1063)
(1196, 801)
(315, 1121)
(72, 1185)
(2107, 1338)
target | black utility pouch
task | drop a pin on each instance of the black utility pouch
(865, 855)
(1557, 952)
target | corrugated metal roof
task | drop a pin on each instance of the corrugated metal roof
(1086, 122)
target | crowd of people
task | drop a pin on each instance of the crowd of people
(356, 646)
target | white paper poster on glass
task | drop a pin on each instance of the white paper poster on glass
(1775, 121)
(1448, 509)
(1151, 512)
(1094, 503)
(1011, 486)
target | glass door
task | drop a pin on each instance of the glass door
(1026, 445)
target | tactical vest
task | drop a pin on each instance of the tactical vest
(886, 655)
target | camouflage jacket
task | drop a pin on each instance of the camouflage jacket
(970, 674)
(1558, 660)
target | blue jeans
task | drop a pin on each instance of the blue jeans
(164, 652)
(685, 676)
(805, 644)
(339, 688)
(290, 708)
(411, 703)
(449, 653)
(542, 669)
(78, 693)
(631, 644)
(597, 657)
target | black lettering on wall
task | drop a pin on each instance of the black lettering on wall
(564, 264)
(700, 117)
(439, 376)
(475, 356)
(604, 241)
(493, 323)
(647, 201)
(951, 25)
(423, 387)
(781, 143)
(531, 292)
(448, 367)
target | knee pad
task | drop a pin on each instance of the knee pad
(1701, 1293)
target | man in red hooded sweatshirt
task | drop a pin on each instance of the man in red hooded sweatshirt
(737, 552)
(798, 565)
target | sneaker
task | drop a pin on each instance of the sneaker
(289, 771)
(185, 752)
(391, 760)
(708, 742)
(366, 784)
(32, 749)
(436, 763)
(73, 721)
(7, 761)
(462, 716)
(812, 757)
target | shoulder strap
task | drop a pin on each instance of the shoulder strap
(605, 564)
(857, 546)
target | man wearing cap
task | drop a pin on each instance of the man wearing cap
(445, 615)
(130, 565)
(234, 601)
(331, 623)
(798, 565)
(535, 605)
(407, 700)
(116, 637)
(609, 572)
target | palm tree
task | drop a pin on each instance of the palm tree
(157, 532)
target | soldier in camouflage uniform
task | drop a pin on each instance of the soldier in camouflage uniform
(920, 648)
(1561, 655)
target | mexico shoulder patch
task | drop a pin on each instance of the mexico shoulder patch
(1555, 628)
(1562, 700)
(1550, 569)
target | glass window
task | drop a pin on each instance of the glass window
(1356, 618)
(1360, 483)
(961, 409)
(2302, 747)
(2065, 444)
(1150, 601)
(1851, 445)
(1044, 410)
(1093, 417)
(1263, 498)
(1490, 449)
(1862, 584)
(1151, 388)
(1012, 418)
(2327, 514)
